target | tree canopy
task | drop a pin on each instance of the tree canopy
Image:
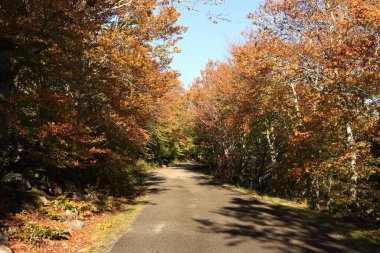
(295, 110)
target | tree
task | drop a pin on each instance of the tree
(81, 86)
(300, 106)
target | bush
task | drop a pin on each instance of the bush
(32, 233)
(78, 207)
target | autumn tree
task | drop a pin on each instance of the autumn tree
(304, 104)
(80, 86)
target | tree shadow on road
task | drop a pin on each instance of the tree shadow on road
(154, 184)
(275, 227)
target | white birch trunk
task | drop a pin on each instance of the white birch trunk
(315, 185)
(272, 149)
(330, 182)
(353, 167)
(295, 99)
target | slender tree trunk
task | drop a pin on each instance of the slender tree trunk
(272, 148)
(315, 184)
(330, 182)
(4, 121)
(6, 85)
(353, 162)
(295, 99)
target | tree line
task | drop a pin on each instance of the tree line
(82, 85)
(294, 111)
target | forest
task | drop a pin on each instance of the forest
(88, 98)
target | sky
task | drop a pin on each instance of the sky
(205, 40)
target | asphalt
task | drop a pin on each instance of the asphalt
(186, 213)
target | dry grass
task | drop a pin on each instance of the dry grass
(365, 236)
(114, 227)
(100, 230)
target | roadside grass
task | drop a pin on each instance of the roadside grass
(77, 220)
(365, 236)
(114, 227)
(50, 228)
(107, 233)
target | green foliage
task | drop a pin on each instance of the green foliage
(162, 149)
(52, 214)
(78, 207)
(172, 138)
(33, 233)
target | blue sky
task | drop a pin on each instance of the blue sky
(205, 40)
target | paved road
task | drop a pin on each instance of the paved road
(187, 213)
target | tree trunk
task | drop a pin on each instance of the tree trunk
(353, 167)
(315, 185)
(6, 86)
(272, 149)
(330, 182)
(295, 99)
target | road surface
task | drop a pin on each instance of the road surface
(186, 213)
